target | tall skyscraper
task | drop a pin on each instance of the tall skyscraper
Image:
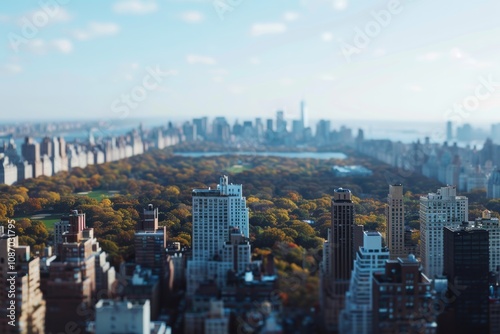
(402, 299)
(466, 265)
(280, 122)
(395, 213)
(341, 255)
(216, 215)
(342, 234)
(356, 317)
(303, 114)
(449, 130)
(438, 210)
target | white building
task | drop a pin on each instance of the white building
(8, 171)
(438, 210)
(125, 317)
(492, 225)
(356, 317)
(216, 213)
(395, 213)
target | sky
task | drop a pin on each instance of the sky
(407, 60)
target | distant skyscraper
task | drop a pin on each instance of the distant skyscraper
(219, 217)
(280, 122)
(395, 213)
(402, 299)
(323, 132)
(221, 130)
(449, 131)
(303, 114)
(494, 184)
(438, 210)
(466, 265)
(356, 317)
(269, 124)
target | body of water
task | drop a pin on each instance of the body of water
(299, 155)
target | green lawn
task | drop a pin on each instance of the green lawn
(48, 219)
(235, 169)
(99, 194)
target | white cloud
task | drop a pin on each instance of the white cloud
(415, 88)
(218, 79)
(429, 56)
(63, 45)
(41, 17)
(315, 5)
(291, 16)
(192, 17)
(37, 46)
(4, 18)
(12, 68)
(255, 61)
(219, 71)
(96, 29)
(197, 59)
(259, 29)
(135, 7)
(235, 89)
(467, 59)
(286, 81)
(327, 36)
(326, 77)
(61, 15)
(340, 4)
(379, 52)
(40, 46)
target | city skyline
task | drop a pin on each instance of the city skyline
(240, 58)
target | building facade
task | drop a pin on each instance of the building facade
(402, 299)
(395, 215)
(356, 317)
(438, 210)
(217, 214)
(492, 225)
(466, 266)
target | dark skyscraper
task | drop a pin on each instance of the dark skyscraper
(342, 234)
(466, 265)
(341, 255)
